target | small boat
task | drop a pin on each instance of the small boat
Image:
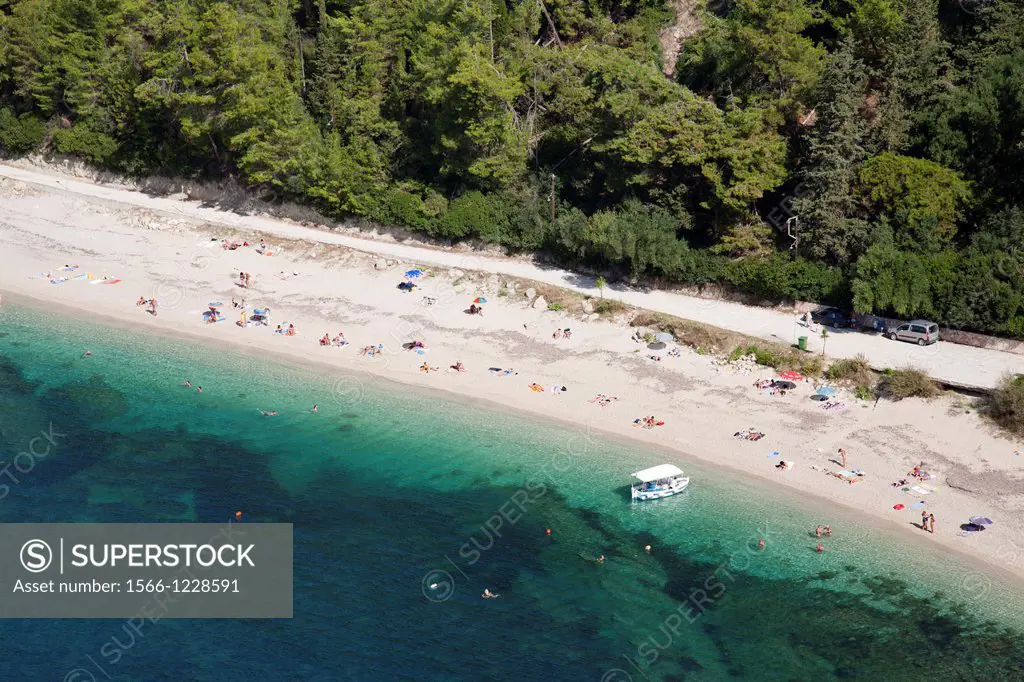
(663, 480)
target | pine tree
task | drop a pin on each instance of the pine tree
(830, 228)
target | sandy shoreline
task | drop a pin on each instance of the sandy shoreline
(975, 470)
(959, 365)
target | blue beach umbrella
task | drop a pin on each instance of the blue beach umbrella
(826, 391)
(479, 299)
(215, 304)
(664, 337)
(981, 520)
(414, 273)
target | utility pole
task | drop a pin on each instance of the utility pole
(552, 198)
(794, 234)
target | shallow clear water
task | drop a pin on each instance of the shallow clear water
(391, 491)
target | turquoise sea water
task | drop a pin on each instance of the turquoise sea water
(393, 491)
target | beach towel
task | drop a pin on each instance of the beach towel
(920, 491)
(917, 505)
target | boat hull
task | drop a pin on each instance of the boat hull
(659, 493)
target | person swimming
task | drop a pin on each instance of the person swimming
(187, 384)
(199, 389)
(489, 595)
(270, 413)
(315, 409)
(600, 559)
(86, 353)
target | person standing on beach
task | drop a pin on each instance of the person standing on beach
(931, 523)
(924, 520)
(842, 454)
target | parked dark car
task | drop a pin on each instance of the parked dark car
(833, 317)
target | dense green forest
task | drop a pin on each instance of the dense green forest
(890, 131)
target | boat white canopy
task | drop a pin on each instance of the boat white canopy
(657, 473)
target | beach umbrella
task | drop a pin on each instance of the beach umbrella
(215, 304)
(657, 345)
(792, 376)
(981, 520)
(414, 273)
(826, 391)
(664, 337)
(479, 299)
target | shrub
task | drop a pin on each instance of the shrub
(554, 306)
(405, 208)
(780, 277)
(1005, 405)
(898, 384)
(854, 372)
(20, 134)
(808, 365)
(607, 307)
(82, 140)
(687, 332)
(470, 214)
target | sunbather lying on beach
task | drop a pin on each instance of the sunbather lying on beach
(370, 351)
(647, 422)
(457, 367)
(425, 368)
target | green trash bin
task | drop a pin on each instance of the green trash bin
(801, 343)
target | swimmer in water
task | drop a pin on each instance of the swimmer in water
(315, 409)
(272, 413)
(600, 559)
(820, 548)
(199, 389)
(489, 595)
(187, 384)
(86, 353)
(760, 543)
